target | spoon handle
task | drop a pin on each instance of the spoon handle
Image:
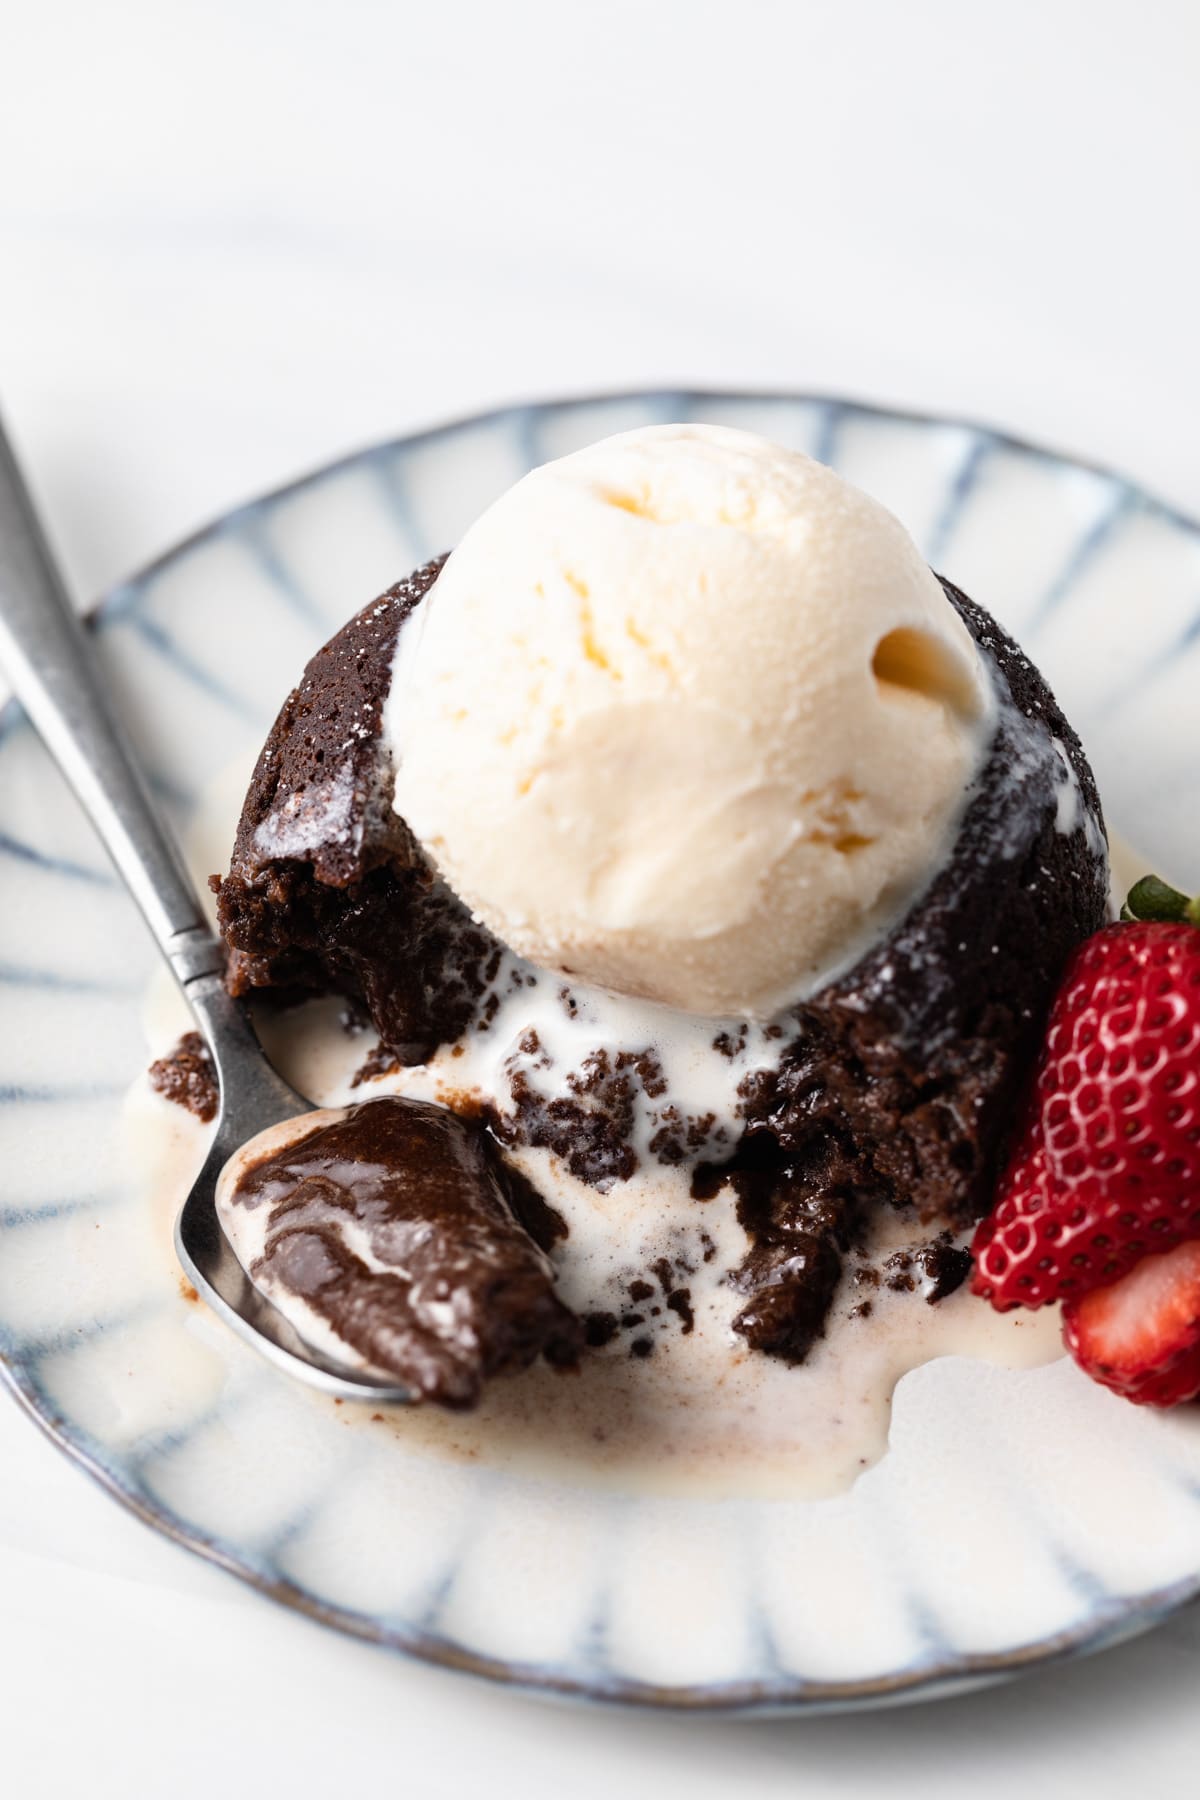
(46, 657)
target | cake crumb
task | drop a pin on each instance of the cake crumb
(185, 1075)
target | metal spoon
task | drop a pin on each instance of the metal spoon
(45, 655)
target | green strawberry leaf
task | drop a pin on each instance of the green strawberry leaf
(1151, 898)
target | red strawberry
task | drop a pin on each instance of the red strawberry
(1141, 1336)
(1105, 1167)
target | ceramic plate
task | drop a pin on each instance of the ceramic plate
(1017, 1516)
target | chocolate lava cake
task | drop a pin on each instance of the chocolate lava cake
(896, 1083)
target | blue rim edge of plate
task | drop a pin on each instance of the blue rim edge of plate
(1112, 1625)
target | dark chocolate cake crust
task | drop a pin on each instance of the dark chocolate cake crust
(327, 890)
(900, 1078)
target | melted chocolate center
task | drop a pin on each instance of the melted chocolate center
(399, 1226)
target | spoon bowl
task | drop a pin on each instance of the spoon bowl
(253, 1098)
(45, 655)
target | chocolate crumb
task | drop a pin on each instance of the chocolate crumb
(600, 1328)
(898, 1266)
(664, 1273)
(944, 1266)
(642, 1347)
(681, 1302)
(187, 1077)
(544, 1223)
(378, 1062)
(491, 1007)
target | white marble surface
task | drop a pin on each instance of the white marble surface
(237, 238)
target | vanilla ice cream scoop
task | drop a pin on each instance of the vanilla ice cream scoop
(687, 717)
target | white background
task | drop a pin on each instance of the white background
(239, 237)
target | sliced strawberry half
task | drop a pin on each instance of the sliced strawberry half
(1141, 1335)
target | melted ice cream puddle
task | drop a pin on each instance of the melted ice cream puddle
(701, 1413)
